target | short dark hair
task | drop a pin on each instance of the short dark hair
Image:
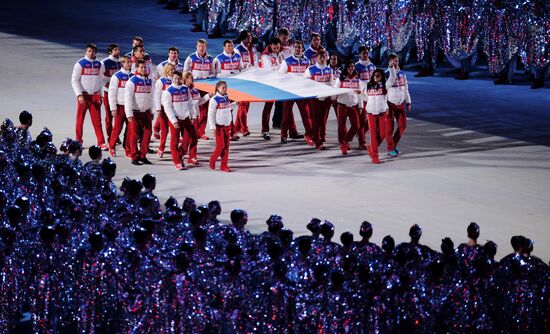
(91, 46)
(178, 73)
(315, 34)
(137, 47)
(227, 41)
(137, 38)
(392, 56)
(25, 117)
(363, 48)
(111, 47)
(148, 180)
(297, 41)
(242, 35)
(140, 61)
(274, 40)
(283, 31)
(173, 48)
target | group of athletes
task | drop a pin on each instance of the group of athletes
(134, 92)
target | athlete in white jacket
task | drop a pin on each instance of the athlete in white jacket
(270, 60)
(348, 106)
(399, 104)
(117, 89)
(377, 109)
(220, 118)
(178, 106)
(138, 105)
(87, 81)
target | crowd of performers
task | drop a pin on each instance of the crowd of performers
(506, 32)
(134, 91)
(80, 256)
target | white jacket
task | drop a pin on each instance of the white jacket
(220, 111)
(87, 76)
(177, 103)
(150, 70)
(138, 95)
(377, 101)
(200, 67)
(270, 61)
(350, 99)
(160, 86)
(197, 101)
(226, 64)
(399, 91)
(117, 88)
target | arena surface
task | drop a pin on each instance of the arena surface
(472, 151)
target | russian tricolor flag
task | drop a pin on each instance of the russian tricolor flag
(257, 85)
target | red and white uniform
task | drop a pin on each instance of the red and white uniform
(270, 60)
(365, 70)
(198, 104)
(287, 50)
(138, 103)
(377, 107)
(226, 64)
(219, 119)
(319, 108)
(249, 59)
(348, 105)
(398, 98)
(311, 54)
(178, 106)
(87, 80)
(295, 66)
(200, 67)
(248, 55)
(161, 124)
(117, 89)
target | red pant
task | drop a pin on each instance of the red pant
(364, 124)
(186, 142)
(142, 122)
(344, 112)
(161, 125)
(288, 124)
(93, 103)
(178, 148)
(319, 115)
(241, 123)
(119, 121)
(398, 113)
(200, 122)
(266, 114)
(377, 125)
(108, 116)
(222, 145)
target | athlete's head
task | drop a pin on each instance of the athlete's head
(275, 45)
(245, 37)
(113, 50)
(139, 52)
(334, 60)
(283, 35)
(315, 40)
(187, 79)
(202, 44)
(393, 60)
(177, 78)
(221, 87)
(91, 51)
(322, 57)
(298, 48)
(228, 46)
(348, 71)
(126, 62)
(168, 70)
(173, 53)
(363, 53)
(137, 40)
(140, 67)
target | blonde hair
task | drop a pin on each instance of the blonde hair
(167, 68)
(186, 75)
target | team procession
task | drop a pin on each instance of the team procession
(137, 94)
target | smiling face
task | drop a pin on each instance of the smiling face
(377, 76)
(140, 69)
(298, 49)
(176, 79)
(222, 89)
(173, 55)
(351, 68)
